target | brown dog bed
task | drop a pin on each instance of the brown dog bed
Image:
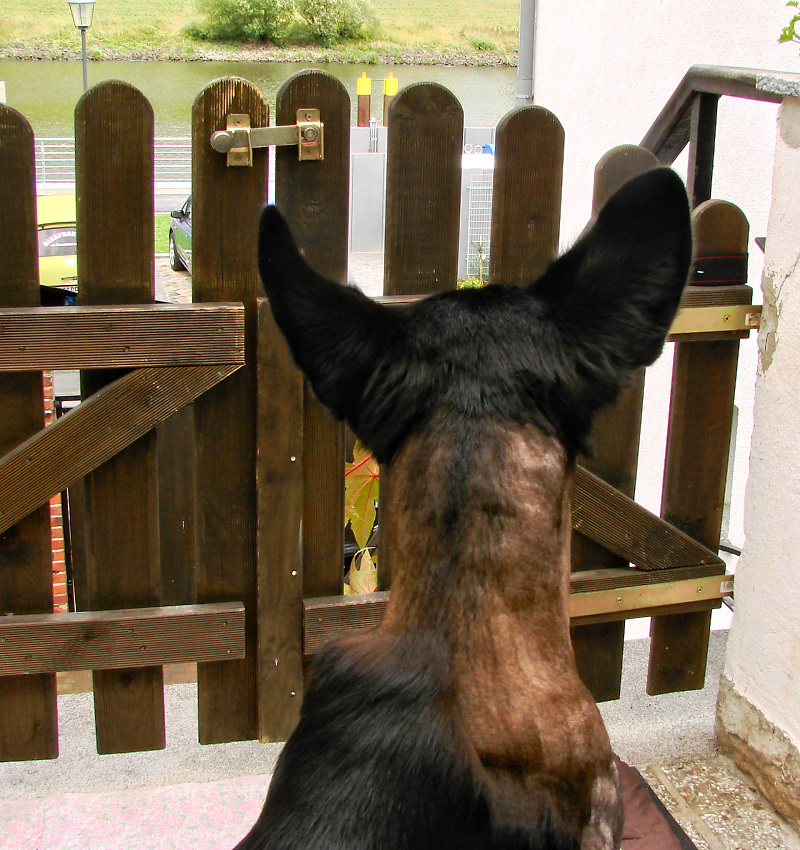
(648, 824)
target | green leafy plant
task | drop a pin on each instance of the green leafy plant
(332, 21)
(361, 485)
(788, 33)
(482, 44)
(244, 20)
(481, 260)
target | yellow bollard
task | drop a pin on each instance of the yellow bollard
(389, 91)
(364, 92)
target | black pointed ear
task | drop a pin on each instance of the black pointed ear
(336, 334)
(613, 296)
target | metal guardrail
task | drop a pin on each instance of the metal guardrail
(55, 157)
(55, 161)
(690, 116)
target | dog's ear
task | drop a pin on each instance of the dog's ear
(336, 334)
(613, 296)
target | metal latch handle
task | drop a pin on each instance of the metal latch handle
(239, 139)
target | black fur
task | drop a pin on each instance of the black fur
(379, 760)
(549, 354)
(374, 763)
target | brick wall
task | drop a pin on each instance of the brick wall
(56, 517)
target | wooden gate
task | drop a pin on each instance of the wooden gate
(262, 577)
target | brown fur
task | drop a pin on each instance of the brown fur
(526, 716)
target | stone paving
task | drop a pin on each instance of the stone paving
(365, 271)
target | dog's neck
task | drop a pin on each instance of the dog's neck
(478, 525)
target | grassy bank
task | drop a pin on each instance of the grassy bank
(414, 32)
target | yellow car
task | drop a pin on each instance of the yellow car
(58, 263)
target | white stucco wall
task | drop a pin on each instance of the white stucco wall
(763, 661)
(606, 69)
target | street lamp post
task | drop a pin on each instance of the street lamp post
(81, 11)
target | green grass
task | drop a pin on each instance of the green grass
(131, 25)
(125, 23)
(162, 233)
(456, 23)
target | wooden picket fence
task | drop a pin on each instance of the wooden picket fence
(206, 481)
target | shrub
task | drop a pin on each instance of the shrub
(331, 21)
(482, 44)
(245, 20)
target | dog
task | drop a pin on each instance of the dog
(460, 721)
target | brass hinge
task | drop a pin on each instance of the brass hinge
(239, 139)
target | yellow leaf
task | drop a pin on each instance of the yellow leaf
(365, 578)
(361, 493)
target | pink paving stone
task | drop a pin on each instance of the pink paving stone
(21, 825)
(212, 816)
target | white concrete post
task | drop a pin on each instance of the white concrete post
(758, 715)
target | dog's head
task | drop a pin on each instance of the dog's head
(546, 354)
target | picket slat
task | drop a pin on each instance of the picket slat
(526, 195)
(314, 198)
(27, 703)
(423, 190)
(114, 171)
(615, 444)
(225, 208)
(698, 446)
(423, 196)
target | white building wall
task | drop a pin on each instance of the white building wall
(606, 69)
(763, 660)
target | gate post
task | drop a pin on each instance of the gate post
(28, 726)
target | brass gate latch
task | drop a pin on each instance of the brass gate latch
(239, 139)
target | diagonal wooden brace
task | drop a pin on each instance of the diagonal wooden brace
(90, 434)
(613, 520)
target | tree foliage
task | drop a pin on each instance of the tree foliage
(332, 21)
(245, 20)
(327, 22)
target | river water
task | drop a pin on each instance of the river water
(46, 92)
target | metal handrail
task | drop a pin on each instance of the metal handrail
(690, 115)
(55, 160)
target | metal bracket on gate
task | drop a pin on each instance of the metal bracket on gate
(239, 139)
(713, 319)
